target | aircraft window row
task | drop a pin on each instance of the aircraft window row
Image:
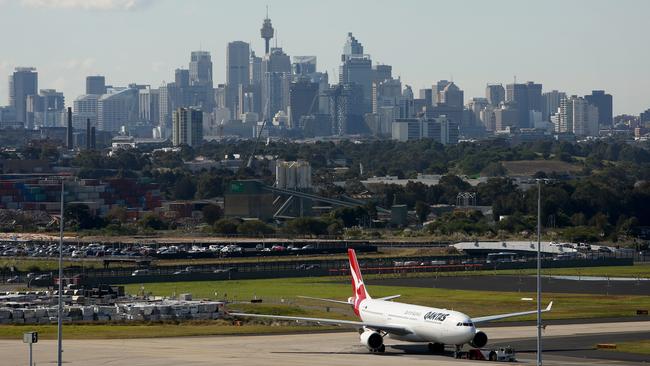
(464, 325)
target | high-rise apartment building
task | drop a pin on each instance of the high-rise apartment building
(23, 82)
(346, 109)
(187, 127)
(603, 102)
(439, 129)
(577, 116)
(550, 103)
(95, 84)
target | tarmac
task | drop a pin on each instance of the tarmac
(338, 348)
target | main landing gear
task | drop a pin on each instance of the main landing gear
(437, 348)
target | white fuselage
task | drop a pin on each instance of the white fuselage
(427, 324)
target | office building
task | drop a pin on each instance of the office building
(200, 72)
(85, 108)
(23, 82)
(495, 94)
(255, 69)
(238, 63)
(451, 96)
(238, 72)
(303, 65)
(382, 72)
(427, 96)
(303, 100)
(356, 67)
(475, 106)
(96, 85)
(644, 116)
(149, 105)
(116, 109)
(46, 109)
(525, 97)
(386, 93)
(603, 102)
(506, 117)
(276, 78)
(439, 129)
(550, 103)
(187, 127)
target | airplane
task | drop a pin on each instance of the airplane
(405, 322)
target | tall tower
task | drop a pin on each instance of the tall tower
(267, 31)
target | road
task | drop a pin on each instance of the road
(340, 348)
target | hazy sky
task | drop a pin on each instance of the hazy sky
(569, 45)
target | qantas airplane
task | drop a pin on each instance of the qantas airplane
(411, 323)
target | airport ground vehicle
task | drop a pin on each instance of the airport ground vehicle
(506, 354)
(406, 322)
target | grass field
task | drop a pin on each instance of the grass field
(280, 298)
(642, 347)
(474, 303)
(121, 331)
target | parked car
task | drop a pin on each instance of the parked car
(140, 272)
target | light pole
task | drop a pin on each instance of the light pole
(539, 271)
(60, 309)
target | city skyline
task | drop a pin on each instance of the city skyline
(576, 63)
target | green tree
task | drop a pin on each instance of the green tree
(254, 227)
(306, 226)
(184, 189)
(152, 221)
(225, 226)
(422, 210)
(211, 213)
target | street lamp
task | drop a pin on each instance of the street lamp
(539, 269)
(60, 308)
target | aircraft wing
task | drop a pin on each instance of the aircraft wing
(485, 319)
(393, 329)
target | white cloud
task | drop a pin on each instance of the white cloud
(87, 4)
(80, 64)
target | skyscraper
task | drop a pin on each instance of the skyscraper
(95, 85)
(46, 109)
(303, 65)
(187, 127)
(346, 109)
(303, 100)
(495, 94)
(238, 64)
(23, 82)
(116, 109)
(452, 96)
(603, 102)
(526, 97)
(149, 105)
(238, 72)
(276, 77)
(356, 68)
(201, 69)
(255, 69)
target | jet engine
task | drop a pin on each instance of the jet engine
(480, 340)
(373, 340)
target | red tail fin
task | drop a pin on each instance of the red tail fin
(359, 292)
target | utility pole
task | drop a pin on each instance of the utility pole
(539, 270)
(60, 308)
